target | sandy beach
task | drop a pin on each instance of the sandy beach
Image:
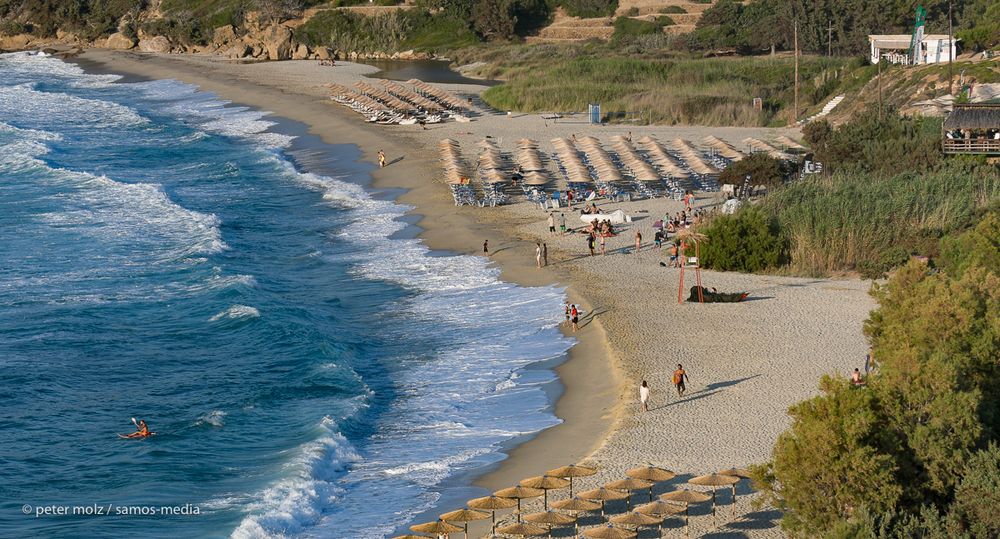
(747, 362)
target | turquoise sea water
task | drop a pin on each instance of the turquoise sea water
(310, 369)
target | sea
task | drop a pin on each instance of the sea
(309, 367)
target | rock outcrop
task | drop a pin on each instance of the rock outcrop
(301, 52)
(155, 44)
(277, 41)
(224, 36)
(119, 41)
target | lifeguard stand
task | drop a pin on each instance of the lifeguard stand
(693, 262)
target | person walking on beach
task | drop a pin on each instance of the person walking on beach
(679, 377)
(574, 317)
(562, 223)
(644, 396)
(603, 251)
(381, 159)
(638, 241)
(545, 254)
(538, 255)
(590, 243)
(486, 247)
(673, 255)
(552, 223)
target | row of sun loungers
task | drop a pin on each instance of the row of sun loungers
(392, 103)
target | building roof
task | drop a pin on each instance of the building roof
(974, 116)
(902, 41)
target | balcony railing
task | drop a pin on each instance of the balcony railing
(980, 146)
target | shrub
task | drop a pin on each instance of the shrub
(762, 169)
(589, 8)
(12, 28)
(672, 10)
(749, 241)
(978, 247)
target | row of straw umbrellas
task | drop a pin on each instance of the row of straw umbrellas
(565, 512)
(722, 148)
(642, 170)
(576, 169)
(662, 159)
(442, 96)
(600, 159)
(530, 160)
(450, 155)
(693, 157)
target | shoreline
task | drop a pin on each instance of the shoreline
(589, 404)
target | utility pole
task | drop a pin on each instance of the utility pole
(829, 39)
(795, 110)
(951, 52)
(880, 88)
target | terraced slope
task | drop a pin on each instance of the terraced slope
(566, 28)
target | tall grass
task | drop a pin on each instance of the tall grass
(855, 221)
(714, 91)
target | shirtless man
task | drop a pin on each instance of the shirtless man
(679, 377)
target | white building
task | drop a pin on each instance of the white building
(934, 48)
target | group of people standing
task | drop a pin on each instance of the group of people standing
(679, 378)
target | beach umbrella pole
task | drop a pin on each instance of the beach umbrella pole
(715, 523)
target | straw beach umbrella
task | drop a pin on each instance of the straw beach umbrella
(608, 532)
(714, 480)
(660, 508)
(438, 527)
(464, 516)
(637, 519)
(576, 504)
(628, 485)
(545, 483)
(523, 530)
(492, 503)
(742, 473)
(603, 495)
(550, 519)
(519, 493)
(687, 497)
(652, 474)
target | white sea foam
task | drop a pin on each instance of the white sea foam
(297, 501)
(236, 312)
(215, 418)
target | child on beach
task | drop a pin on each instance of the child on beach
(644, 396)
(567, 313)
(679, 377)
(381, 159)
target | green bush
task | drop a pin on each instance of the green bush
(589, 8)
(12, 28)
(672, 10)
(749, 241)
(977, 247)
(628, 27)
(762, 169)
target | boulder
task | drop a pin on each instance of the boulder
(119, 41)
(224, 35)
(15, 43)
(158, 44)
(278, 41)
(323, 53)
(406, 55)
(239, 51)
(301, 52)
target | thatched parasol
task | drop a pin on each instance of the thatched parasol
(545, 483)
(576, 504)
(608, 532)
(742, 473)
(715, 480)
(660, 508)
(519, 493)
(628, 485)
(438, 527)
(523, 530)
(651, 473)
(492, 503)
(637, 519)
(603, 494)
(464, 516)
(686, 497)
